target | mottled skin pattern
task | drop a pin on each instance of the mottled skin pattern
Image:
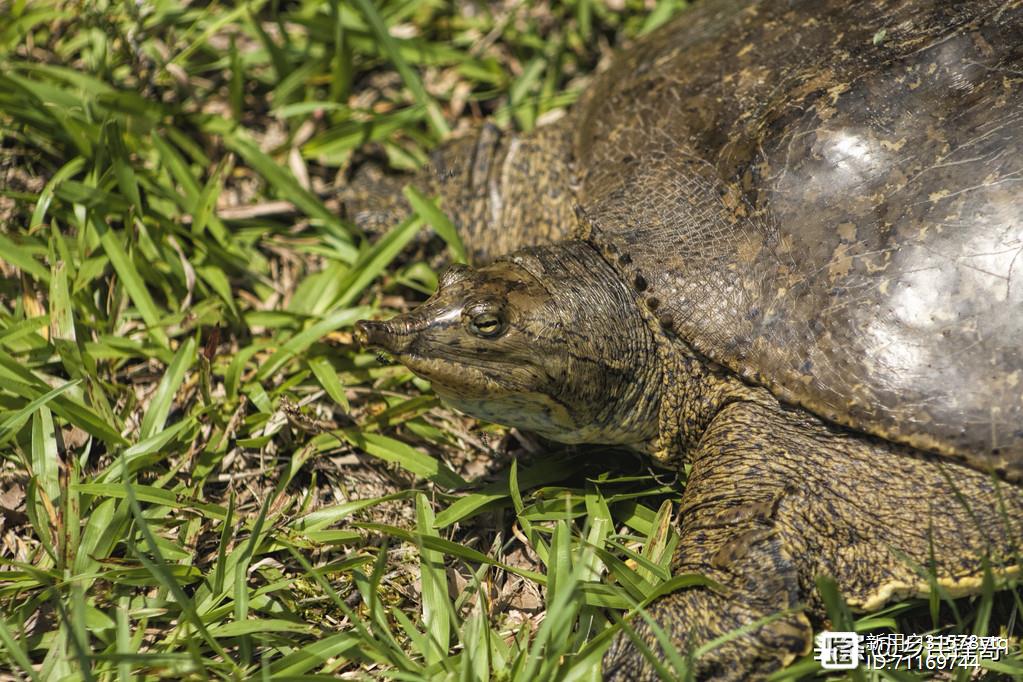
(792, 238)
(503, 191)
(776, 498)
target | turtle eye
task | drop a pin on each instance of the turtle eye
(487, 325)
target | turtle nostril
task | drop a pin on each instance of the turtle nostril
(392, 336)
(362, 332)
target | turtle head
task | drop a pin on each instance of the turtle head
(547, 339)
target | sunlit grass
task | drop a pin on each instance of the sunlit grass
(202, 477)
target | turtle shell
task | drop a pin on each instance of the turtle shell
(827, 197)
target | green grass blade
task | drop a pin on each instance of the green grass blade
(370, 265)
(130, 277)
(12, 421)
(19, 256)
(163, 400)
(305, 338)
(158, 568)
(325, 374)
(434, 586)
(14, 651)
(45, 461)
(441, 224)
(391, 450)
(281, 179)
(412, 82)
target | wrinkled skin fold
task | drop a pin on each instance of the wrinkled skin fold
(780, 242)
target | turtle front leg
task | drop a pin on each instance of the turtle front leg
(776, 498)
(697, 616)
(732, 533)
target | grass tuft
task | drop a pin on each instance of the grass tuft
(201, 476)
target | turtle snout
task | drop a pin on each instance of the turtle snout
(391, 336)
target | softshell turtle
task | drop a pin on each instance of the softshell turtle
(781, 242)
